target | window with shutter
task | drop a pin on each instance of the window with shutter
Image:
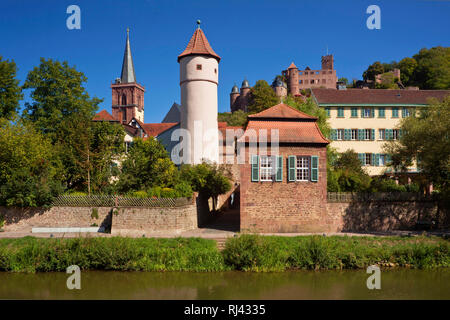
(279, 162)
(314, 168)
(361, 157)
(255, 168)
(291, 168)
(372, 134)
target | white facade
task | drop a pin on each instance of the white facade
(199, 80)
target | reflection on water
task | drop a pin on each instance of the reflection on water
(396, 284)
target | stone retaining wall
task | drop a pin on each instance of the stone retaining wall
(381, 215)
(24, 219)
(143, 221)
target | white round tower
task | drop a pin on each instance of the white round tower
(199, 74)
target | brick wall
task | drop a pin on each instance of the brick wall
(24, 219)
(285, 206)
(140, 221)
(127, 221)
(381, 215)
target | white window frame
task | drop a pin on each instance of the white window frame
(339, 134)
(367, 134)
(365, 113)
(395, 134)
(381, 134)
(302, 168)
(369, 157)
(382, 160)
(355, 137)
(266, 168)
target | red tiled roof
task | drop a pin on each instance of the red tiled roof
(198, 45)
(103, 116)
(292, 66)
(293, 126)
(376, 96)
(281, 111)
(154, 129)
(288, 132)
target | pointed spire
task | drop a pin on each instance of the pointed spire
(128, 74)
(199, 45)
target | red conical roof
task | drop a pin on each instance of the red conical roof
(198, 45)
(292, 66)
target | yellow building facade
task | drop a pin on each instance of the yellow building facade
(365, 120)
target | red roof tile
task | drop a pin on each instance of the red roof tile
(154, 129)
(376, 96)
(292, 66)
(281, 111)
(198, 45)
(103, 116)
(288, 132)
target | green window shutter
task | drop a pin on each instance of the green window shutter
(360, 134)
(395, 112)
(314, 168)
(361, 158)
(388, 158)
(381, 113)
(372, 113)
(376, 160)
(255, 168)
(372, 134)
(347, 134)
(333, 134)
(291, 163)
(279, 162)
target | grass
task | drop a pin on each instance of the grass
(263, 253)
(245, 253)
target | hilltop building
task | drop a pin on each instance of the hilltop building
(294, 80)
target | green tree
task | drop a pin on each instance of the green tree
(433, 68)
(407, 68)
(30, 172)
(106, 146)
(62, 110)
(147, 165)
(373, 70)
(350, 176)
(58, 97)
(262, 97)
(237, 118)
(209, 180)
(344, 80)
(310, 108)
(425, 138)
(10, 91)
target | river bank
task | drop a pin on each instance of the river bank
(243, 253)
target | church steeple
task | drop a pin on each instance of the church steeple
(127, 94)
(127, 74)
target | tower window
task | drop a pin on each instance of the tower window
(215, 70)
(199, 67)
(124, 99)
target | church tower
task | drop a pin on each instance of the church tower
(127, 94)
(199, 71)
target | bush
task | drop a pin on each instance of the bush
(126, 254)
(257, 253)
(386, 185)
(139, 194)
(183, 189)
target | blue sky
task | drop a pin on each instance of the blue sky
(255, 38)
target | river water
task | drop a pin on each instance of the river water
(395, 284)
